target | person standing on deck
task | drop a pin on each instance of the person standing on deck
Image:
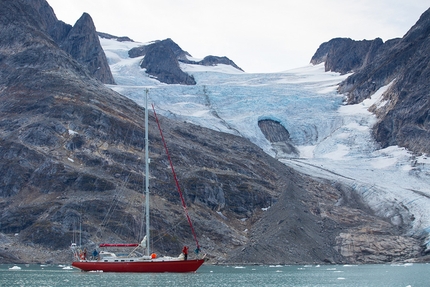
(185, 252)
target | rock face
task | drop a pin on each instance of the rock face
(401, 63)
(374, 246)
(213, 61)
(309, 216)
(279, 137)
(345, 55)
(71, 155)
(168, 43)
(162, 61)
(81, 40)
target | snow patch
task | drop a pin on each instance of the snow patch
(339, 154)
(362, 108)
(306, 151)
(383, 162)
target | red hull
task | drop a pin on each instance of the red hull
(145, 266)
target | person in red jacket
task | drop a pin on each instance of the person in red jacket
(185, 252)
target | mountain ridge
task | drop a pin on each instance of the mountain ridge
(80, 41)
(69, 145)
(404, 62)
(162, 57)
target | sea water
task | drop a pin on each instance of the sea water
(402, 275)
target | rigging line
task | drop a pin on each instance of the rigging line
(110, 210)
(169, 230)
(115, 202)
(176, 180)
(119, 187)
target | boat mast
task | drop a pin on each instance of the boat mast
(80, 232)
(147, 173)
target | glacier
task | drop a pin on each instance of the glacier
(334, 139)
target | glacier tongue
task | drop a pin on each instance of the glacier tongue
(334, 140)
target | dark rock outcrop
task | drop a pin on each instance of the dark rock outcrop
(168, 43)
(405, 63)
(279, 137)
(345, 55)
(81, 40)
(162, 61)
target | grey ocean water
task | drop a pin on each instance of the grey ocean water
(401, 275)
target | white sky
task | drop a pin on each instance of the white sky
(258, 35)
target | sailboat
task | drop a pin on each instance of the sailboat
(110, 262)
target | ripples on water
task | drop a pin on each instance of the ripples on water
(401, 275)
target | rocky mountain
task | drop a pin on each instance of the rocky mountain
(345, 55)
(162, 60)
(71, 154)
(80, 41)
(404, 65)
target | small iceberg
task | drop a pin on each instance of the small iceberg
(15, 268)
(67, 268)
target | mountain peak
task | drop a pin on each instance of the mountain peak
(162, 59)
(82, 42)
(402, 63)
(345, 55)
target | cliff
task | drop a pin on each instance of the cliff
(80, 41)
(403, 64)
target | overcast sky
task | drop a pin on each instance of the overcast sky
(258, 35)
